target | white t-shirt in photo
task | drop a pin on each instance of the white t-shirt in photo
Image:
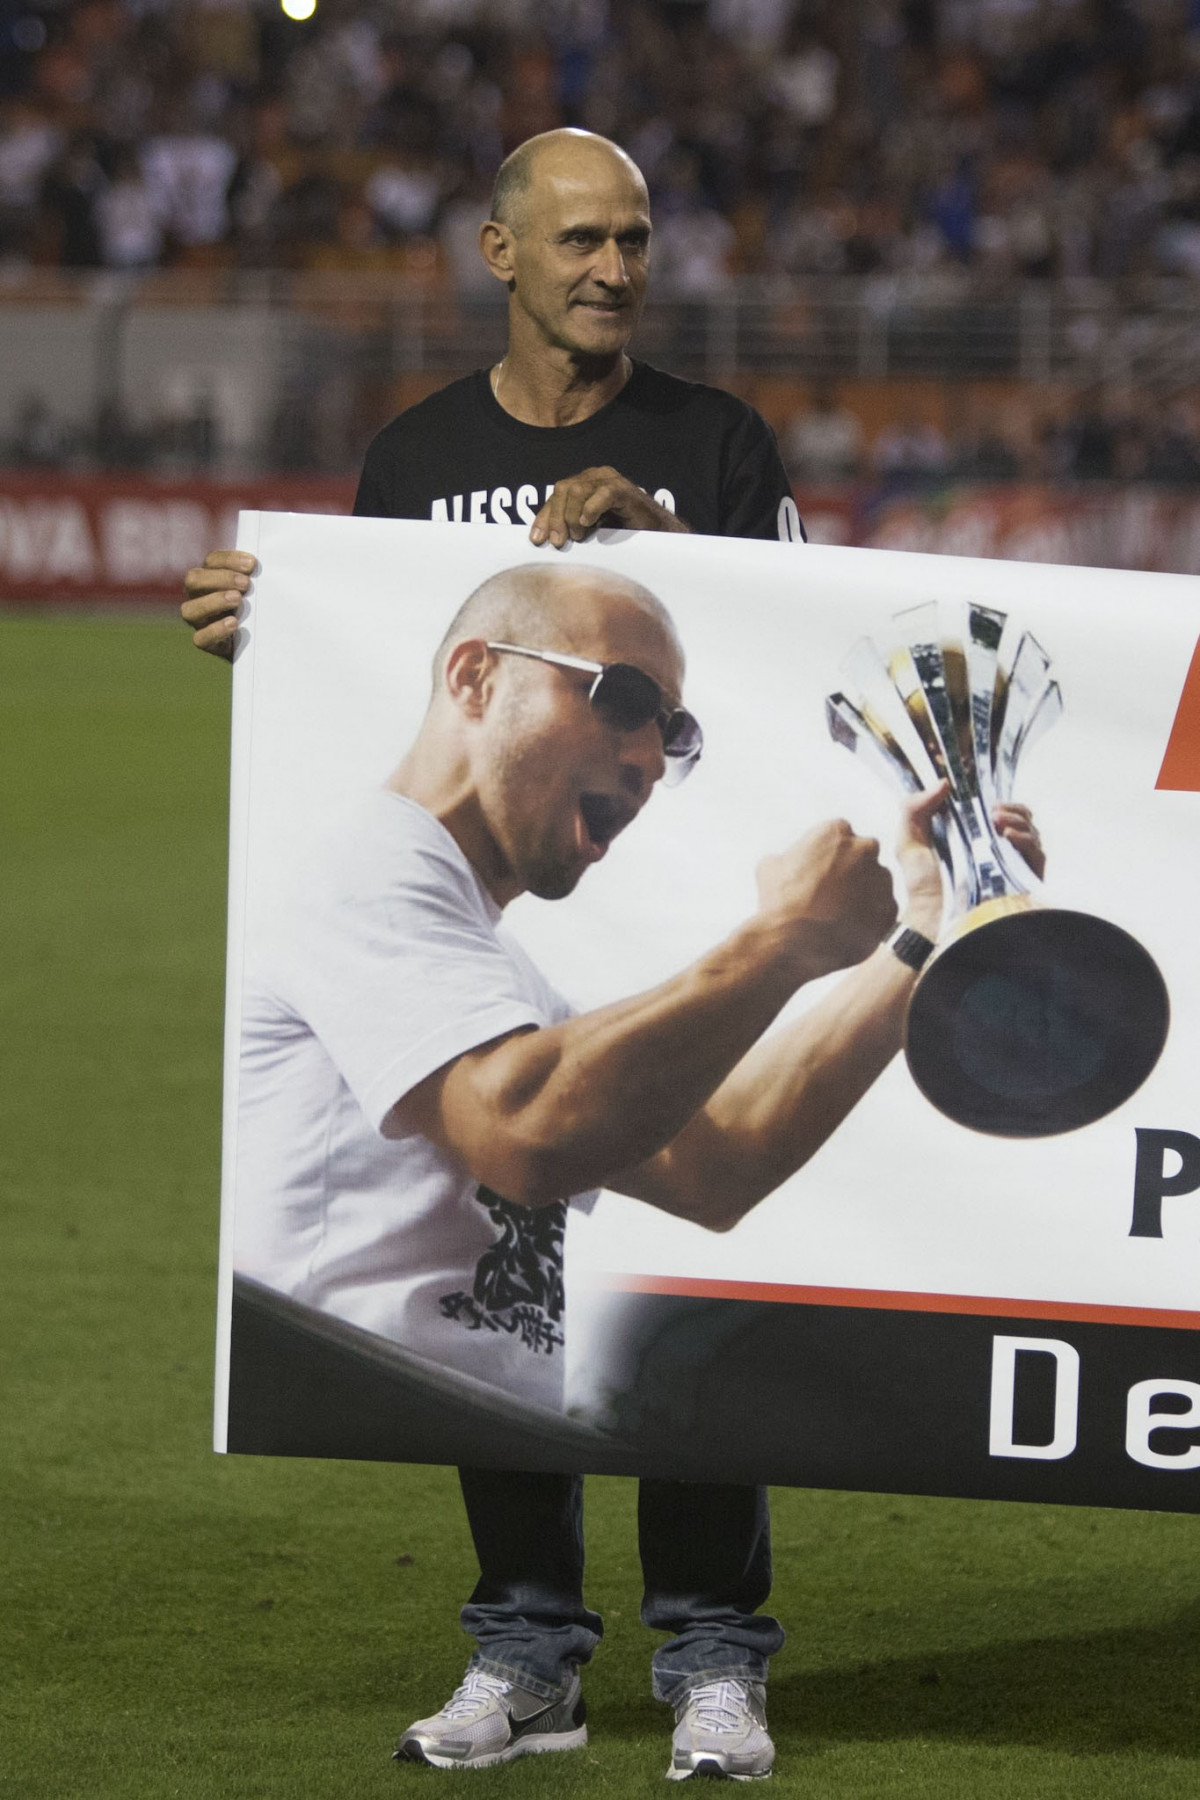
(384, 961)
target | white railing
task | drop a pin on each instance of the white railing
(277, 353)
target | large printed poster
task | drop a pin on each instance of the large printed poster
(771, 1248)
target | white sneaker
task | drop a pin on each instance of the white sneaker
(488, 1721)
(721, 1729)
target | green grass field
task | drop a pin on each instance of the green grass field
(172, 1623)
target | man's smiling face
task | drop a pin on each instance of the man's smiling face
(580, 252)
(557, 782)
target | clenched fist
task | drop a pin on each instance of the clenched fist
(831, 894)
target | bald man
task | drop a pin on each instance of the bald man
(564, 433)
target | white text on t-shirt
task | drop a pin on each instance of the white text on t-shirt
(501, 506)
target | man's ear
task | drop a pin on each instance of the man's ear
(468, 676)
(496, 248)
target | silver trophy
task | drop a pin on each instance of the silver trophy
(1029, 1019)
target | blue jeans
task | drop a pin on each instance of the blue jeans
(706, 1562)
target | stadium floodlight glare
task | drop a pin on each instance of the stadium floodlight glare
(299, 9)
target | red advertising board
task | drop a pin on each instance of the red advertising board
(105, 538)
(111, 538)
(1098, 525)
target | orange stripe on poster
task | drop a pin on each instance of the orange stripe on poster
(1181, 765)
(888, 1300)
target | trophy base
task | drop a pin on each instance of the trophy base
(1035, 1021)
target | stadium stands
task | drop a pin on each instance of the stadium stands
(934, 240)
(1029, 138)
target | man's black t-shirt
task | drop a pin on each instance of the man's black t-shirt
(704, 454)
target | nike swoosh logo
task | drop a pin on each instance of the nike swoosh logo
(520, 1727)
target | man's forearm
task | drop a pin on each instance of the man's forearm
(781, 1102)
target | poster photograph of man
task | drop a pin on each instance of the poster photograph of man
(570, 961)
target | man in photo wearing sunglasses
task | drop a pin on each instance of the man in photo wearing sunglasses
(554, 714)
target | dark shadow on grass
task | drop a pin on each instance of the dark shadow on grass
(1133, 1690)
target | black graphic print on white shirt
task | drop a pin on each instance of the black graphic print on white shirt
(518, 1286)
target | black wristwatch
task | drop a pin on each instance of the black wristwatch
(912, 947)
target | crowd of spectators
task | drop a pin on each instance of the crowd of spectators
(1100, 435)
(972, 144)
(1003, 138)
